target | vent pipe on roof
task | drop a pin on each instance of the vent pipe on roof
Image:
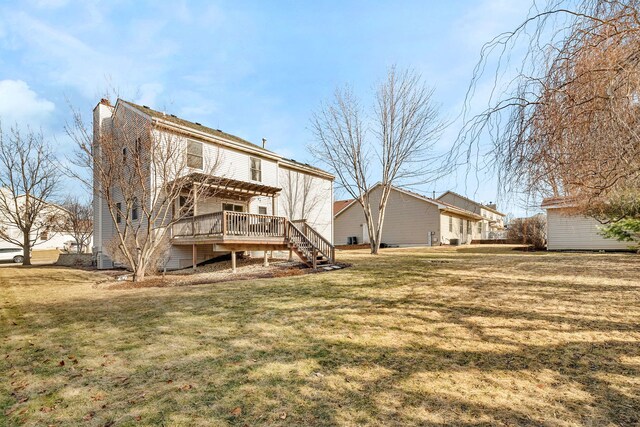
(264, 142)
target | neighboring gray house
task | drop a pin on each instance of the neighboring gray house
(410, 220)
(569, 231)
(250, 212)
(492, 222)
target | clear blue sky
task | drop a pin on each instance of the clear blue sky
(252, 68)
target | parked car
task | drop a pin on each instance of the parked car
(11, 254)
(71, 246)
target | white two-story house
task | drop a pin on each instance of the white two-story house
(260, 201)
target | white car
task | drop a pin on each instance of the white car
(11, 254)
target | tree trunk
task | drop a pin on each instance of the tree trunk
(26, 248)
(138, 273)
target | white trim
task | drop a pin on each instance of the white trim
(472, 201)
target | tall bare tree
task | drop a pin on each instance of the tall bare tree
(28, 179)
(78, 220)
(144, 174)
(394, 143)
(568, 123)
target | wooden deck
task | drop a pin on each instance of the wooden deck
(240, 231)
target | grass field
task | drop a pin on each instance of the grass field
(468, 337)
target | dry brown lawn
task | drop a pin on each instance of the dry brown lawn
(467, 337)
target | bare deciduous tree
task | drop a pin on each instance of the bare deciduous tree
(141, 170)
(568, 123)
(28, 179)
(78, 220)
(396, 146)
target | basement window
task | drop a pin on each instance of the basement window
(194, 155)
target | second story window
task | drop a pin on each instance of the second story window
(134, 210)
(194, 154)
(256, 169)
(118, 214)
(450, 224)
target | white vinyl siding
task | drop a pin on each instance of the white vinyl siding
(574, 232)
(319, 209)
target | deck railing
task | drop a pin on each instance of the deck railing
(254, 225)
(227, 223)
(316, 239)
(230, 224)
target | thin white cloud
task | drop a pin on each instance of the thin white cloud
(20, 104)
(50, 4)
(149, 93)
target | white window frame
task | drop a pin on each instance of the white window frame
(191, 155)
(257, 170)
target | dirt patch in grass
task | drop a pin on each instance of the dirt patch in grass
(413, 336)
(247, 268)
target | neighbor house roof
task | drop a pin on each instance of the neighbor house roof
(338, 205)
(471, 201)
(444, 207)
(558, 202)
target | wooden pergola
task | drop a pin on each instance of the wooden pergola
(232, 188)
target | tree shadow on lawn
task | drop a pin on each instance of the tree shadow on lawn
(354, 348)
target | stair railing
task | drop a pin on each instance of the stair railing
(316, 240)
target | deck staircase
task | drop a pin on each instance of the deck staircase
(313, 249)
(246, 231)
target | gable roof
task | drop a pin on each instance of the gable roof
(471, 201)
(218, 134)
(171, 118)
(338, 205)
(442, 206)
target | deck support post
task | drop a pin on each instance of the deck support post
(194, 256)
(266, 259)
(290, 254)
(233, 262)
